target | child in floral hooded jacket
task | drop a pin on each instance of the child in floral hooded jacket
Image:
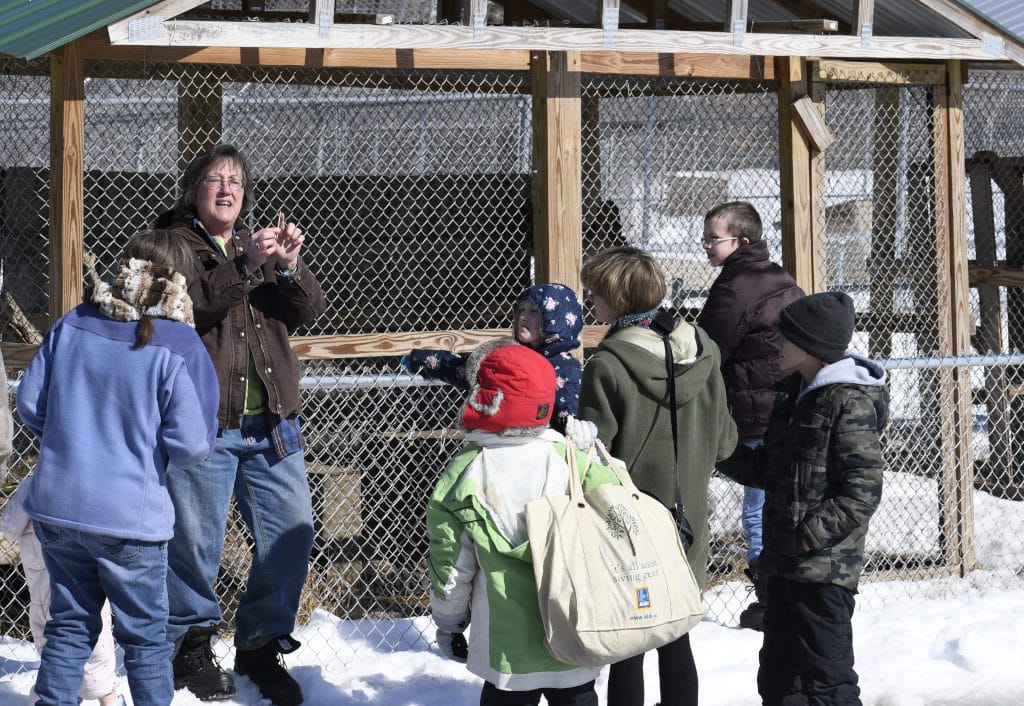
(547, 318)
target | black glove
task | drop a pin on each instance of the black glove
(453, 645)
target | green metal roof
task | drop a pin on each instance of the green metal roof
(30, 28)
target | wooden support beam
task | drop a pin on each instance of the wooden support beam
(67, 169)
(363, 345)
(996, 275)
(958, 14)
(957, 469)
(278, 35)
(812, 122)
(799, 251)
(557, 167)
(695, 65)
(681, 65)
(889, 73)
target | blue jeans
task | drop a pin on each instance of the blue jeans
(753, 502)
(272, 495)
(86, 569)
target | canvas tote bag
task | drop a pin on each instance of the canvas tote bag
(612, 577)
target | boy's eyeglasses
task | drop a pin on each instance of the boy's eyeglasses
(232, 184)
(712, 242)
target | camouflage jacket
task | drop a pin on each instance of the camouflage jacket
(821, 470)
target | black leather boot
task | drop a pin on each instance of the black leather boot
(266, 669)
(196, 668)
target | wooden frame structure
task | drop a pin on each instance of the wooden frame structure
(555, 57)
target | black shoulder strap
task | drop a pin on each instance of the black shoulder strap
(664, 323)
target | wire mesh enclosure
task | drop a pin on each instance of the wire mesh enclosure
(415, 190)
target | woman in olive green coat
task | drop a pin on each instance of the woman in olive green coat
(625, 394)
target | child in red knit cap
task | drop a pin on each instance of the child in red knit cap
(480, 558)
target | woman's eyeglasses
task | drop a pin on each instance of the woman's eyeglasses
(712, 242)
(220, 182)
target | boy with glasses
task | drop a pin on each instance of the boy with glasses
(741, 315)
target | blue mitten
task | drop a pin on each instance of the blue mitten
(453, 645)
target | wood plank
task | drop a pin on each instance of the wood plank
(901, 74)
(557, 166)
(795, 178)
(97, 47)
(67, 168)
(812, 123)
(184, 33)
(996, 276)
(956, 212)
(676, 64)
(370, 345)
(959, 15)
(483, 59)
(957, 466)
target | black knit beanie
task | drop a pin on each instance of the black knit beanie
(820, 324)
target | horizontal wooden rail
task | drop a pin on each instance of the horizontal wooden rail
(362, 345)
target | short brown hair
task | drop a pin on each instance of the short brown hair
(628, 278)
(741, 219)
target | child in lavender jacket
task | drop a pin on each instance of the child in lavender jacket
(119, 387)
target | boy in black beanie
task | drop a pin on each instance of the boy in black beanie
(821, 468)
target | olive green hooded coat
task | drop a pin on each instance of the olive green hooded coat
(625, 393)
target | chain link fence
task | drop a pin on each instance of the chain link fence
(414, 188)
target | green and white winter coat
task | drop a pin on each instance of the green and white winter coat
(821, 469)
(481, 566)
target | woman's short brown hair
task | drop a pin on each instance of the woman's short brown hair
(628, 278)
